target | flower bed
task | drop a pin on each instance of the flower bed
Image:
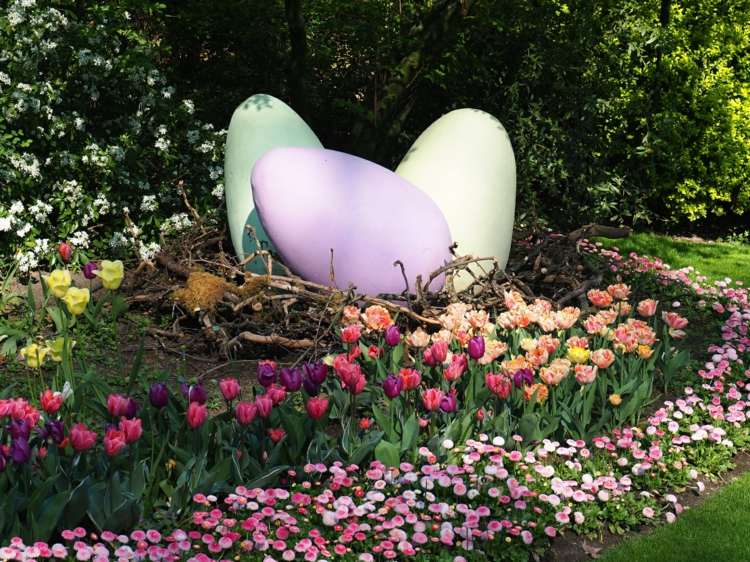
(496, 497)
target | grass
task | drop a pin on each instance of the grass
(715, 260)
(715, 530)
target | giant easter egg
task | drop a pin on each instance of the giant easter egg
(464, 162)
(260, 123)
(314, 201)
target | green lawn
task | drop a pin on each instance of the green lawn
(717, 530)
(715, 260)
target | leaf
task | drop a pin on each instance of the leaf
(388, 453)
(366, 447)
(56, 314)
(49, 517)
(409, 433)
(118, 306)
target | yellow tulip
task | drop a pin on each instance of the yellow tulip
(615, 400)
(34, 355)
(58, 282)
(76, 300)
(56, 348)
(645, 351)
(578, 354)
(111, 273)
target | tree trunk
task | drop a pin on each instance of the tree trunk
(435, 34)
(298, 62)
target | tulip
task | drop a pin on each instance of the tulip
(196, 414)
(158, 395)
(34, 355)
(111, 273)
(392, 386)
(427, 358)
(440, 351)
(276, 434)
(365, 423)
(20, 451)
(431, 398)
(230, 389)
(276, 393)
(245, 413)
(578, 354)
(602, 358)
(615, 399)
(117, 405)
(76, 300)
(131, 429)
(458, 365)
(410, 378)
(114, 442)
(132, 408)
(523, 377)
(55, 348)
(317, 372)
(351, 333)
(58, 282)
(54, 430)
(194, 393)
(65, 251)
(476, 347)
(449, 403)
(90, 269)
(316, 407)
(392, 335)
(19, 429)
(264, 405)
(51, 401)
(81, 437)
(585, 374)
(291, 379)
(311, 387)
(499, 385)
(266, 373)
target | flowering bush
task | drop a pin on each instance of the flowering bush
(98, 144)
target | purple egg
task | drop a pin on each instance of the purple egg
(311, 201)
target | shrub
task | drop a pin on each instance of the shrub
(97, 145)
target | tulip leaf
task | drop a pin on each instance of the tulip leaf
(49, 515)
(366, 447)
(388, 453)
(409, 433)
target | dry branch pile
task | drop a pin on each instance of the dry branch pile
(208, 295)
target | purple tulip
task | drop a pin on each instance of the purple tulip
(194, 393)
(89, 269)
(266, 373)
(20, 451)
(54, 430)
(132, 409)
(317, 372)
(158, 395)
(291, 379)
(523, 377)
(392, 335)
(19, 429)
(311, 387)
(392, 385)
(476, 347)
(448, 403)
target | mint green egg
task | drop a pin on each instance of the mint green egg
(260, 123)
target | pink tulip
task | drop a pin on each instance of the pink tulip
(264, 405)
(117, 405)
(132, 429)
(245, 412)
(647, 307)
(431, 398)
(196, 415)
(316, 407)
(81, 437)
(114, 442)
(230, 389)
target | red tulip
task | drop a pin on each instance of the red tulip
(431, 398)
(365, 424)
(114, 442)
(196, 415)
(65, 251)
(51, 401)
(276, 393)
(276, 434)
(410, 378)
(316, 407)
(264, 405)
(499, 385)
(82, 437)
(132, 429)
(351, 333)
(245, 413)
(230, 389)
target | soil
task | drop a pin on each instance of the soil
(574, 548)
